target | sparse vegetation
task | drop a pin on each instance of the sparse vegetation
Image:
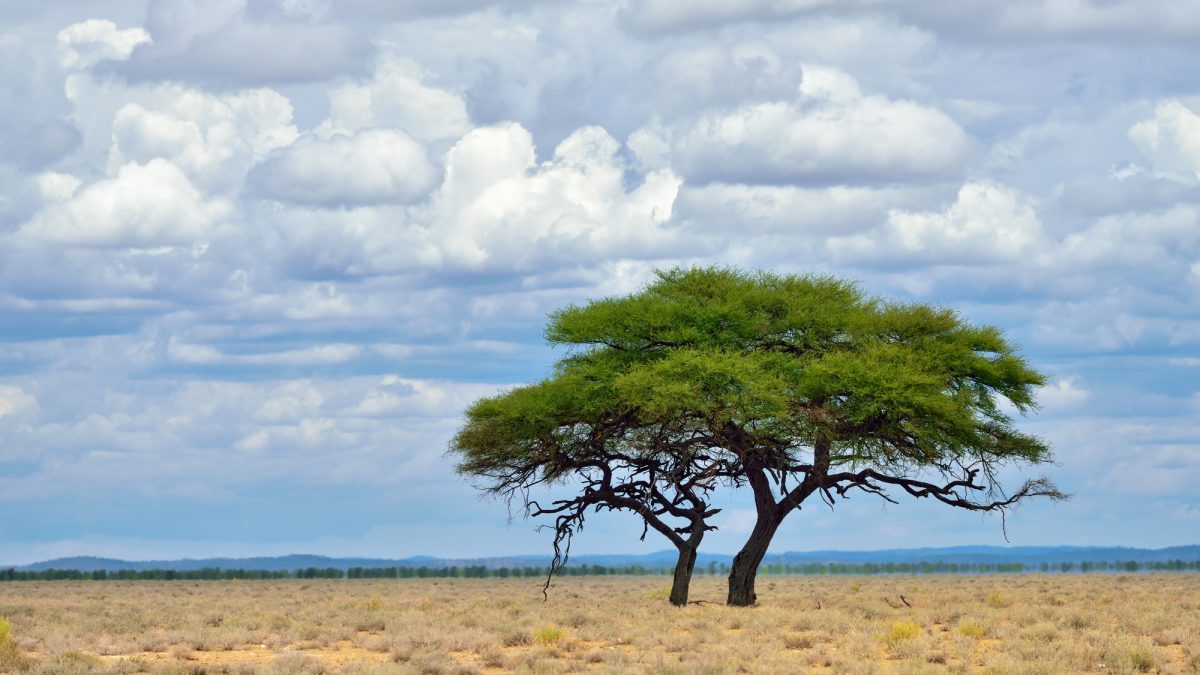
(548, 635)
(972, 629)
(900, 631)
(1047, 624)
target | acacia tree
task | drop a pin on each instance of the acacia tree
(808, 387)
(791, 385)
(577, 428)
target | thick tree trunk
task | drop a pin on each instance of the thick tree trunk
(746, 562)
(683, 575)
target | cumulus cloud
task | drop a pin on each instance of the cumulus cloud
(498, 207)
(1063, 393)
(832, 134)
(144, 205)
(14, 401)
(987, 223)
(373, 166)
(83, 45)
(1171, 139)
(397, 98)
(214, 139)
(57, 187)
(813, 212)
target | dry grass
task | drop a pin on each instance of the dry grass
(991, 624)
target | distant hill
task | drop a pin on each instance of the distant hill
(1029, 555)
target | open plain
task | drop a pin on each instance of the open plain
(1097, 623)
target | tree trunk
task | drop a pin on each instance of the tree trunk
(683, 575)
(745, 564)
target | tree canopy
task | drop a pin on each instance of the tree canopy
(791, 385)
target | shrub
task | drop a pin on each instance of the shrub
(548, 635)
(11, 660)
(972, 629)
(1141, 660)
(901, 631)
(997, 600)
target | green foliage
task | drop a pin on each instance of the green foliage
(787, 358)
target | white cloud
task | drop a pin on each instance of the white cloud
(1171, 139)
(1155, 245)
(84, 44)
(14, 401)
(498, 208)
(397, 98)
(155, 438)
(144, 205)
(214, 139)
(831, 134)
(1063, 393)
(988, 222)
(371, 167)
(799, 212)
(360, 241)
(57, 187)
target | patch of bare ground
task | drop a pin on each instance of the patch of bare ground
(994, 624)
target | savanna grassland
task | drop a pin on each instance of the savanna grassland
(1094, 623)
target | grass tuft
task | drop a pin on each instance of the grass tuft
(972, 629)
(901, 631)
(11, 660)
(548, 635)
(1142, 660)
(997, 600)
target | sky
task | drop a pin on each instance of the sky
(256, 256)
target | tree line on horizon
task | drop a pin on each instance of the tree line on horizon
(712, 569)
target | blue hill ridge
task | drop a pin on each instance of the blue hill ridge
(1029, 555)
